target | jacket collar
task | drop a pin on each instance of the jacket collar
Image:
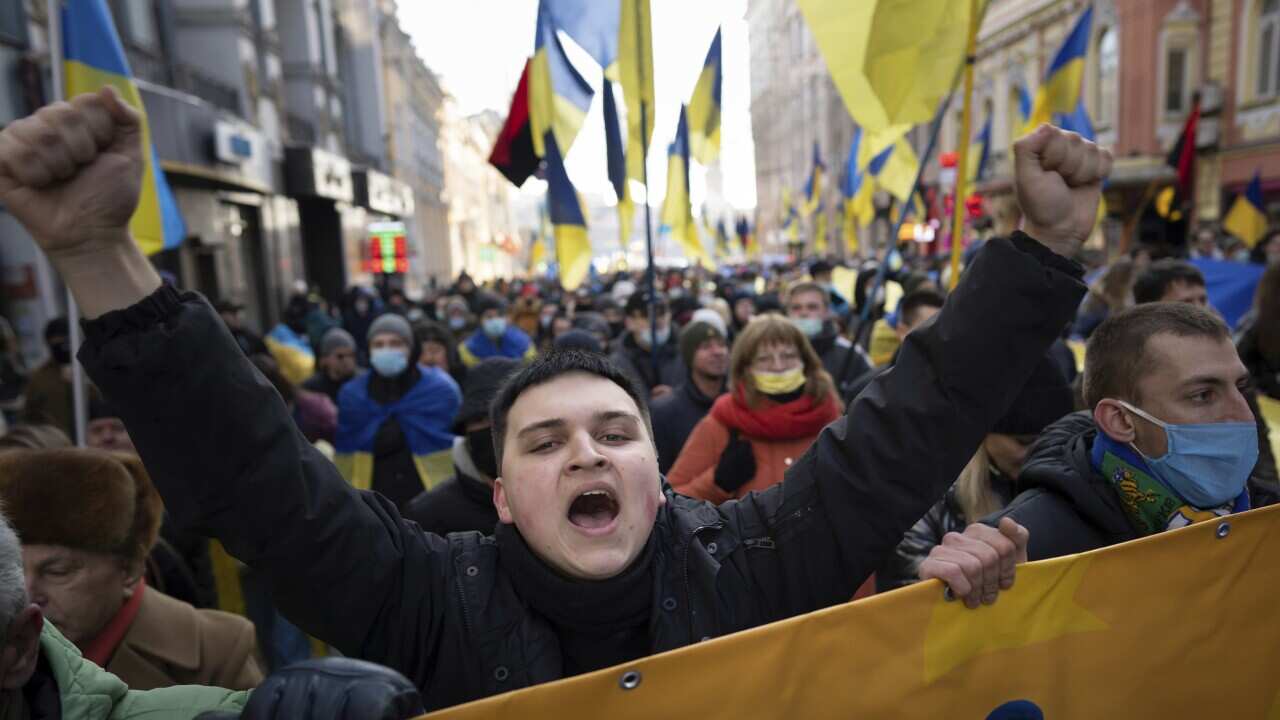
(162, 631)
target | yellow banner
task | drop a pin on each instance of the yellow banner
(1182, 624)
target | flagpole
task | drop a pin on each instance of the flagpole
(53, 12)
(644, 174)
(902, 216)
(962, 165)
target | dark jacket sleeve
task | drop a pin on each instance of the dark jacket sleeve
(229, 463)
(1057, 527)
(903, 564)
(872, 474)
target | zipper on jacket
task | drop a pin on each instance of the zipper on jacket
(760, 544)
(466, 607)
(688, 588)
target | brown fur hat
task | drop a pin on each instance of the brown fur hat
(85, 499)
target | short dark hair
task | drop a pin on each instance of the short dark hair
(808, 287)
(550, 366)
(638, 304)
(1117, 354)
(1160, 275)
(911, 303)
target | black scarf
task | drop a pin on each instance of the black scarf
(599, 622)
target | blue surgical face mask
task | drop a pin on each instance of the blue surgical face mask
(495, 327)
(1207, 465)
(811, 327)
(389, 362)
(457, 322)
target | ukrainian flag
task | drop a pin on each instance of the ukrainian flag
(617, 165)
(1246, 219)
(704, 108)
(813, 186)
(573, 247)
(895, 169)
(1077, 122)
(93, 59)
(1060, 92)
(635, 74)
(592, 24)
(979, 154)
(559, 97)
(677, 210)
(858, 188)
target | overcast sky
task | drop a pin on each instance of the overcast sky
(479, 48)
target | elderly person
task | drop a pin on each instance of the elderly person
(88, 518)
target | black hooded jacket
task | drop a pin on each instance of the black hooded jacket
(444, 611)
(1066, 505)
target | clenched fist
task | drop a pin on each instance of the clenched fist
(72, 172)
(1058, 177)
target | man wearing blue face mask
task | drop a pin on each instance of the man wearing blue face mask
(1170, 440)
(395, 423)
(634, 351)
(495, 337)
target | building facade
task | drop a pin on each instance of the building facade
(290, 131)
(483, 239)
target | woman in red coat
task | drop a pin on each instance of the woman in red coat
(780, 399)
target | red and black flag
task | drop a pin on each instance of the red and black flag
(513, 153)
(1182, 157)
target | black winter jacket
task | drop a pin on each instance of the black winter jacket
(845, 361)
(1070, 508)
(348, 570)
(674, 418)
(461, 503)
(638, 362)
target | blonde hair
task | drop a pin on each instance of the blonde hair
(973, 488)
(772, 329)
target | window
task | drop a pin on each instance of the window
(1108, 77)
(1175, 81)
(1269, 48)
(13, 23)
(136, 21)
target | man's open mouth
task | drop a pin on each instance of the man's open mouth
(593, 509)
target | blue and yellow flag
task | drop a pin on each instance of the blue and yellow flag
(573, 246)
(979, 154)
(635, 74)
(1247, 220)
(704, 107)
(617, 165)
(677, 207)
(1077, 122)
(1174, 625)
(559, 97)
(813, 186)
(894, 168)
(1060, 92)
(858, 188)
(592, 24)
(94, 59)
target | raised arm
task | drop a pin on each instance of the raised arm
(215, 436)
(870, 475)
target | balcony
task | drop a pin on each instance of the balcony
(301, 131)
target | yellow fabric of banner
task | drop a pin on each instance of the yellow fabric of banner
(1175, 625)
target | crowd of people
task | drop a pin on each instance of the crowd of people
(493, 487)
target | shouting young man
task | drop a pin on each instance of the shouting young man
(594, 562)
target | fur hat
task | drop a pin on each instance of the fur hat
(84, 499)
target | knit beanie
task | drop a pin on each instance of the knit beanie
(336, 339)
(478, 389)
(394, 324)
(692, 337)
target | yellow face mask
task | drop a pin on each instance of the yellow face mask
(779, 383)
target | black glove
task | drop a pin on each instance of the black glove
(737, 464)
(332, 689)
